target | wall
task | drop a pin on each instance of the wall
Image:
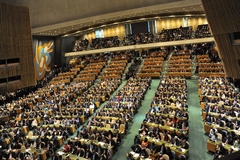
(89, 36)
(117, 30)
(223, 17)
(16, 42)
(66, 46)
(195, 21)
(176, 22)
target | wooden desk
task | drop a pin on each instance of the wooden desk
(18, 110)
(72, 129)
(135, 156)
(72, 157)
(24, 130)
(4, 118)
(168, 128)
(39, 99)
(211, 146)
(97, 104)
(176, 149)
(82, 118)
(42, 155)
(208, 127)
(59, 141)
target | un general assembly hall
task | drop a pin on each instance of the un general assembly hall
(119, 79)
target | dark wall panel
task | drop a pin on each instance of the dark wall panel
(58, 57)
(66, 46)
(140, 27)
(16, 42)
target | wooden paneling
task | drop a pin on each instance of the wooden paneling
(169, 23)
(224, 18)
(90, 36)
(117, 30)
(195, 21)
(16, 42)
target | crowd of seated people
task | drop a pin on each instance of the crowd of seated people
(180, 63)
(180, 33)
(91, 71)
(202, 31)
(140, 38)
(103, 133)
(174, 34)
(164, 131)
(50, 114)
(209, 64)
(106, 42)
(155, 52)
(132, 70)
(114, 69)
(152, 67)
(8, 97)
(152, 62)
(56, 123)
(80, 45)
(220, 110)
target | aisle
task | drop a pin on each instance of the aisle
(127, 141)
(197, 139)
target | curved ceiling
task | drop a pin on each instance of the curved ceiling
(59, 17)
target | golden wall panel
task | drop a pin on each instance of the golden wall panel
(169, 23)
(117, 30)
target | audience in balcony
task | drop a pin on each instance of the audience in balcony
(174, 34)
(180, 33)
(202, 31)
(140, 38)
(80, 45)
(106, 42)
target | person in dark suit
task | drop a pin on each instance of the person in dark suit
(95, 155)
(228, 140)
(88, 154)
(184, 144)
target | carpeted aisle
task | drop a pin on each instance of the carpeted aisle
(197, 139)
(127, 141)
